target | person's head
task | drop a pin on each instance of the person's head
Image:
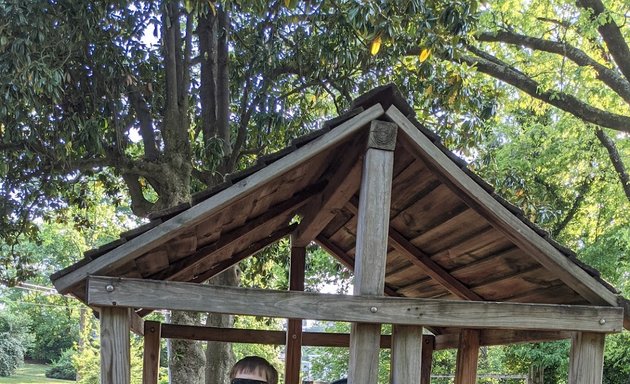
(253, 370)
(340, 381)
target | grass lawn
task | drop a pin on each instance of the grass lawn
(30, 373)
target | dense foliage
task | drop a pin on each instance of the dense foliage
(141, 103)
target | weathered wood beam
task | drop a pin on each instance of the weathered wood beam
(586, 364)
(115, 345)
(251, 250)
(323, 208)
(424, 262)
(183, 268)
(499, 216)
(323, 339)
(430, 267)
(151, 356)
(406, 356)
(502, 337)
(196, 214)
(346, 259)
(140, 293)
(371, 246)
(136, 323)
(467, 357)
(428, 345)
(293, 352)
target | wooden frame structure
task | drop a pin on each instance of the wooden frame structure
(433, 249)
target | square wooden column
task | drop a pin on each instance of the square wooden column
(406, 354)
(587, 358)
(151, 362)
(293, 360)
(467, 357)
(371, 246)
(428, 344)
(115, 345)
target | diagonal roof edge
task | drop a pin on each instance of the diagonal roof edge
(192, 216)
(525, 236)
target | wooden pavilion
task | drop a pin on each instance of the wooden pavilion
(431, 245)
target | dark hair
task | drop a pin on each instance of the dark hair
(255, 364)
(340, 381)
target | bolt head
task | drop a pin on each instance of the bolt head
(109, 288)
(373, 309)
(602, 321)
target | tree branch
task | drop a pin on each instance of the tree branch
(615, 158)
(564, 101)
(139, 104)
(610, 32)
(140, 206)
(608, 76)
(581, 195)
(223, 82)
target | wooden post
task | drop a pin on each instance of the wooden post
(115, 355)
(467, 356)
(428, 345)
(371, 246)
(293, 360)
(406, 357)
(587, 358)
(151, 362)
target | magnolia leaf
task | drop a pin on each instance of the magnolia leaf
(287, 3)
(213, 8)
(188, 4)
(424, 55)
(376, 45)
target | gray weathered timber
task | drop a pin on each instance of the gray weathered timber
(428, 345)
(115, 346)
(407, 355)
(292, 363)
(151, 361)
(501, 218)
(467, 357)
(587, 358)
(139, 293)
(430, 267)
(371, 246)
(382, 135)
(503, 337)
(322, 209)
(196, 214)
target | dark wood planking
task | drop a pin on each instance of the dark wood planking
(474, 248)
(340, 219)
(438, 205)
(452, 231)
(345, 237)
(504, 263)
(500, 288)
(415, 182)
(153, 262)
(556, 293)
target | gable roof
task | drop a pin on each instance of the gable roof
(451, 236)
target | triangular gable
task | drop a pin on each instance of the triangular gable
(458, 184)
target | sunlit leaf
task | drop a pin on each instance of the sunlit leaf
(376, 45)
(424, 55)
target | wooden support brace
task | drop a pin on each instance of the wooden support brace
(428, 345)
(115, 346)
(371, 246)
(467, 357)
(151, 362)
(587, 358)
(406, 363)
(293, 360)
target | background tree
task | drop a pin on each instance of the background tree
(156, 100)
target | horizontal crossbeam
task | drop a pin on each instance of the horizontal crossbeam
(138, 293)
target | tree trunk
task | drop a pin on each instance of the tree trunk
(219, 356)
(187, 360)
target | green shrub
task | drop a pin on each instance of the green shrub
(62, 368)
(11, 354)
